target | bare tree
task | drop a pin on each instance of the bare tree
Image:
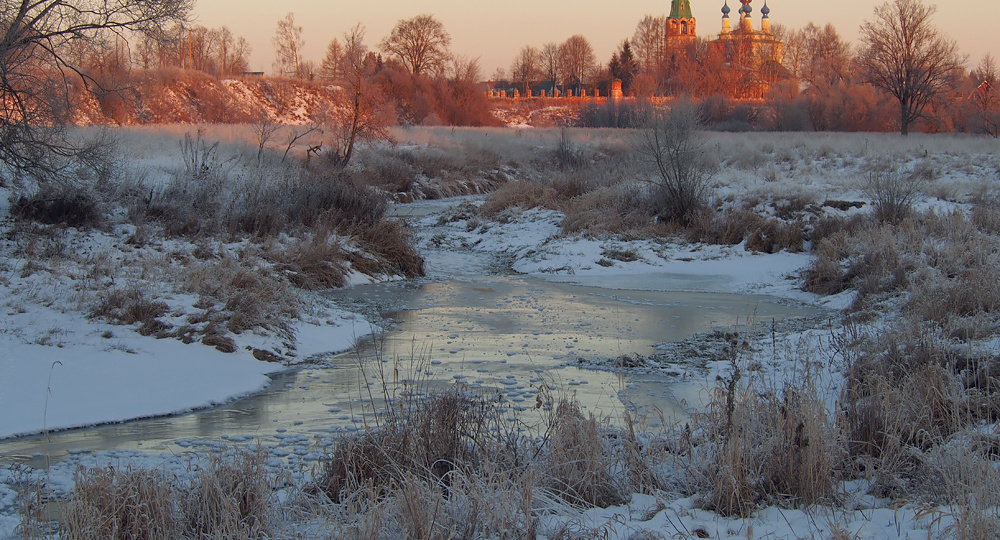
(986, 95)
(828, 57)
(37, 69)
(499, 75)
(288, 44)
(234, 53)
(464, 69)
(795, 48)
(201, 50)
(364, 113)
(549, 63)
(649, 42)
(675, 143)
(577, 59)
(420, 44)
(525, 70)
(905, 56)
(263, 130)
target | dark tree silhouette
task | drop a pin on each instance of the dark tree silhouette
(906, 57)
(41, 45)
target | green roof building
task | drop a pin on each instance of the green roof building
(680, 23)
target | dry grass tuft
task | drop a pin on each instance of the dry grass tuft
(579, 466)
(945, 266)
(121, 504)
(430, 440)
(893, 193)
(230, 498)
(128, 306)
(390, 242)
(524, 195)
(766, 444)
(618, 210)
(733, 226)
(239, 296)
(312, 263)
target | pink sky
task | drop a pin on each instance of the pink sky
(495, 31)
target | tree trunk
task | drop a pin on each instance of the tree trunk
(904, 120)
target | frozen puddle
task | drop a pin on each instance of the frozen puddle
(513, 339)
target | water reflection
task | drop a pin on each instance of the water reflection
(499, 336)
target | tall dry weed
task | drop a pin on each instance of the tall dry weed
(579, 465)
(231, 498)
(126, 504)
(766, 442)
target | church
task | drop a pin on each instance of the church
(754, 54)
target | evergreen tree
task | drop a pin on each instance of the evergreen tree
(623, 66)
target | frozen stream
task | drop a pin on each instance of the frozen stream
(501, 336)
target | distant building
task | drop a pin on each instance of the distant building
(755, 54)
(681, 24)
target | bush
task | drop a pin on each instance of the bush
(68, 206)
(675, 145)
(892, 194)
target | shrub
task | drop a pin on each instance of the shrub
(675, 145)
(67, 206)
(128, 306)
(892, 194)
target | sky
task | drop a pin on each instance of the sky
(495, 31)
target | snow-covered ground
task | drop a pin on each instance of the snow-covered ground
(60, 369)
